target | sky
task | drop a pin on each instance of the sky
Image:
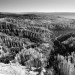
(37, 6)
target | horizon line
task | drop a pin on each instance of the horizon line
(31, 12)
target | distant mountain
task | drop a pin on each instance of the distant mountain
(49, 21)
(39, 22)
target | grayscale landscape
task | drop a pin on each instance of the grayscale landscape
(37, 43)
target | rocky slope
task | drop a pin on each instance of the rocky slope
(39, 43)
